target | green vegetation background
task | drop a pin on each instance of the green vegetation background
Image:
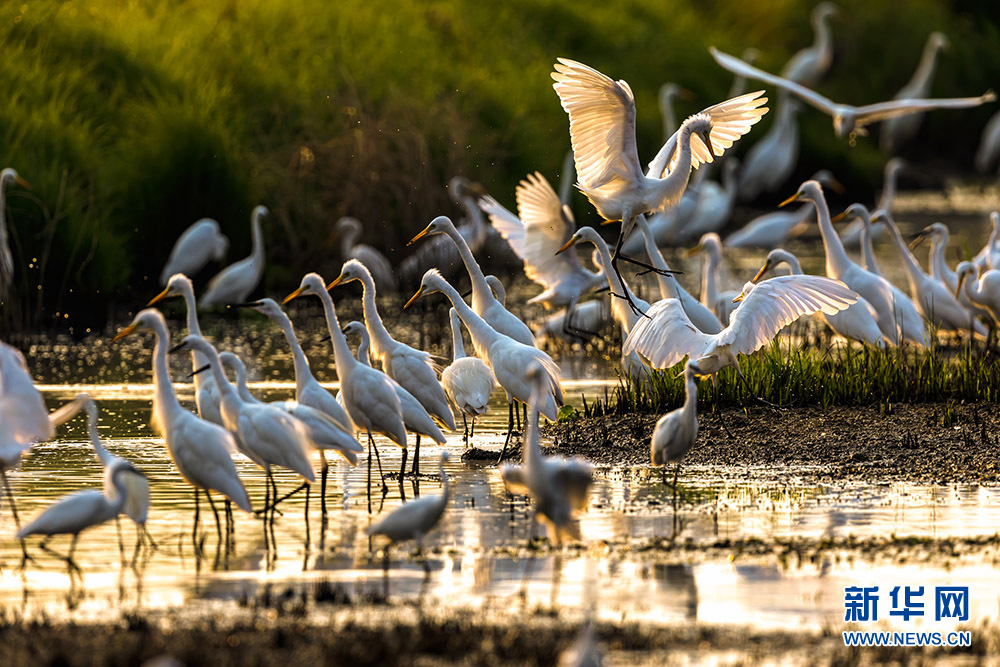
(132, 119)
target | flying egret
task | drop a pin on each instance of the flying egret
(206, 392)
(897, 131)
(199, 244)
(676, 432)
(235, 282)
(851, 234)
(770, 161)
(483, 301)
(199, 448)
(467, 381)
(414, 519)
(982, 290)
(602, 129)
(775, 228)
(668, 336)
(989, 144)
(415, 416)
(543, 226)
(369, 397)
(810, 64)
(349, 231)
(72, 514)
(136, 485)
(23, 419)
(712, 296)
(856, 322)
(410, 367)
(7, 177)
(559, 487)
(936, 303)
(896, 315)
(506, 357)
(848, 119)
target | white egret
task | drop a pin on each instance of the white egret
(715, 202)
(856, 322)
(349, 231)
(774, 229)
(712, 296)
(940, 271)
(415, 416)
(369, 397)
(851, 234)
(507, 357)
(668, 225)
(199, 244)
(23, 418)
(136, 486)
(667, 336)
(206, 392)
(602, 129)
(483, 301)
(896, 315)
(235, 282)
(810, 64)
(989, 256)
(589, 316)
(668, 93)
(936, 303)
(543, 227)
(414, 519)
(989, 144)
(559, 487)
(410, 367)
(862, 217)
(849, 119)
(897, 131)
(701, 316)
(770, 161)
(676, 432)
(199, 448)
(982, 290)
(7, 177)
(467, 381)
(73, 514)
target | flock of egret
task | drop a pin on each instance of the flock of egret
(405, 395)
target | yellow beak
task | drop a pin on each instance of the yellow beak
(420, 235)
(738, 299)
(336, 282)
(159, 297)
(413, 298)
(124, 332)
(691, 252)
(790, 200)
(23, 183)
(610, 222)
(566, 245)
(294, 294)
(762, 271)
(918, 238)
(840, 216)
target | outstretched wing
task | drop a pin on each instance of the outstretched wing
(772, 304)
(601, 124)
(873, 113)
(737, 66)
(666, 336)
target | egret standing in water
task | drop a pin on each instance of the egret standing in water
(413, 520)
(467, 381)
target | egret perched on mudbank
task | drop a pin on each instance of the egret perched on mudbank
(676, 432)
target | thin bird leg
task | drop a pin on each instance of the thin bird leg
(121, 543)
(472, 431)
(272, 506)
(194, 533)
(510, 429)
(263, 514)
(148, 537)
(374, 448)
(614, 265)
(69, 559)
(746, 385)
(218, 524)
(517, 417)
(322, 488)
(17, 520)
(308, 491)
(465, 425)
(415, 470)
(572, 330)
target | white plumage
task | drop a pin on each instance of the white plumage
(237, 281)
(199, 244)
(413, 520)
(810, 64)
(676, 432)
(349, 230)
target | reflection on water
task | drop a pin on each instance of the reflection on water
(478, 553)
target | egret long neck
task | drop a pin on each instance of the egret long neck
(791, 260)
(939, 264)
(258, 240)
(888, 188)
(822, 43)
(382, 341)
(670, 188)
(867, 248)
(103, 455)
(457, 344)
(482, 297)
(363, 346)
(913, 271)
(341, 350)
(302, 372)
(165, 403)
(221, 381)
(709, 281)
(837, 261)
(241, 384)
(920, 82)
(690, 394)
(668, 288)
(619, 309)
(483, 335)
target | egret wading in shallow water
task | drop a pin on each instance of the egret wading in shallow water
(199, 244)
(507, 357)
(136, 485)
(200, 449)
(237, 281)
(676, 432)
(416, 518)
(7, 177)
(23, 419)
(73, 514)
(349, 231)
(410, 367)
(848, 119)
(369, 397)
(467, 381)
(775, 228)
(602, 129)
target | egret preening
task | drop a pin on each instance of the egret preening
(810, 64)
(7, 177)
(483, 301)
(78, 511)
(200, 449)
(507, 357)
(559, 487)
(602, 129)
(369, 397)
(349, 231)
(848, 119)
(467, 381)
(199, 244)
(237, 281)
(410, 367)
(136, 485)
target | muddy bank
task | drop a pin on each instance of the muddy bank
(930, 443)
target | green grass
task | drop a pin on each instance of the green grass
(851, 376)
(133, 119)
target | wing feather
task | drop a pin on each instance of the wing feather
(666, 336)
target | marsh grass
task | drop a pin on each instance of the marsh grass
(789, 375)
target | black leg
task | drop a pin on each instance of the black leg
(323, 474)
(374, 448)
(194, 533)
(215, 512)
(614, 265)
(510, 429)
(17, 520)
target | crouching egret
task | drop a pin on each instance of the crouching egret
(235, 282)
(559, 487)
(468, 381)
(78, 511)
